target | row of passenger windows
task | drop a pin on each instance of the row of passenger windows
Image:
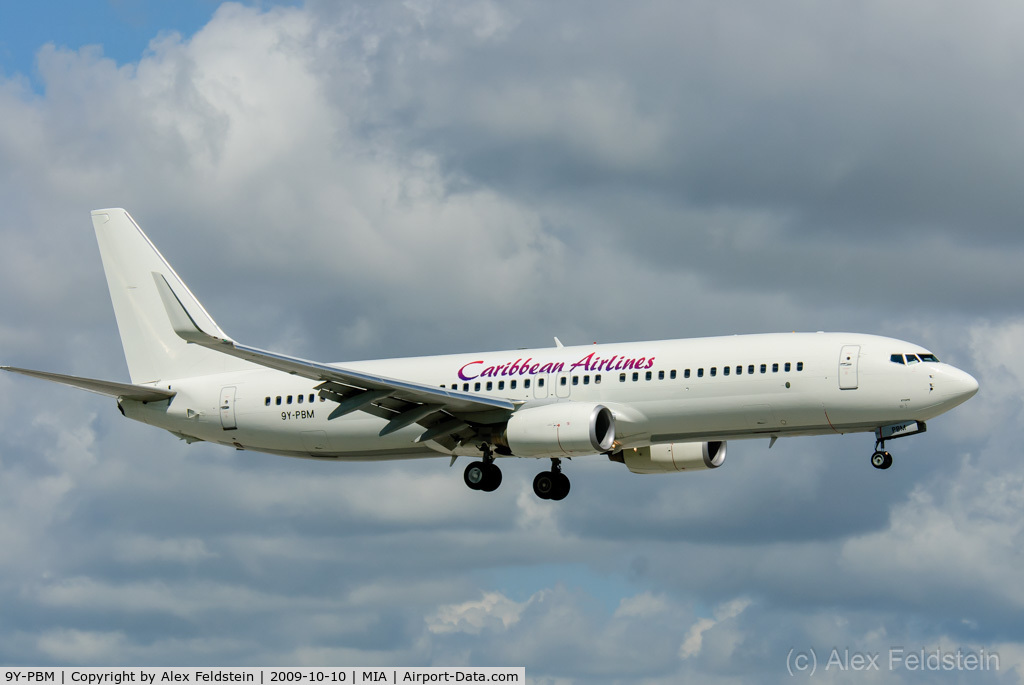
(287, 399)
(912, 358)
(751, 369)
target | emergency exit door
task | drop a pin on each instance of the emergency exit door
(227, 408)
(848, 357)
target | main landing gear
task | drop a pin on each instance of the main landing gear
(881, 459)
(484, 474)
(552, 484)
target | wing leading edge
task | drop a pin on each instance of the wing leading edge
(403, 403)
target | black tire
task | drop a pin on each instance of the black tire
(492, 478)
(561, 487)
(887, 461)
(475, 475)
(878, 459)
(544, 484)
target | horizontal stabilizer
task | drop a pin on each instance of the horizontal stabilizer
(142, 393)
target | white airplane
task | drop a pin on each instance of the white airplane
(657, 407)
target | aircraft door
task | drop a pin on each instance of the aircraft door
(562, 386)
(848, 358)
(227, 408)
(540, 386)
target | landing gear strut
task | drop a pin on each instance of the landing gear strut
(551, 484)
(484, 474)
(881, 459)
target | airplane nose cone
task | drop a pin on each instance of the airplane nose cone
(958, 386)
(965, 386)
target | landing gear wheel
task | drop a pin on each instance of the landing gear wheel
(475, 475)
(881, 460)
(561, 486)
(553, 485)
(544, 484)
(492, 478)
(481, 475)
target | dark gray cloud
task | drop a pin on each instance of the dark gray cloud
(374, 179)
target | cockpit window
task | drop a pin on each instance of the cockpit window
(896, 358)
(928, 358)
(912, 359)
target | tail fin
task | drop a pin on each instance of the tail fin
(152, 349)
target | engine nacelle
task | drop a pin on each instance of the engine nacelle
(563, 429)
(673, 457)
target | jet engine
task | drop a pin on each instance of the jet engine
(563, 429)
(673, 457)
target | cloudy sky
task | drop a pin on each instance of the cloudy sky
(354, 180)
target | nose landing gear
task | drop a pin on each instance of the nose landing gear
(880, 458)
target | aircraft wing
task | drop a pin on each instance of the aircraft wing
(402, 403)
(143, 393)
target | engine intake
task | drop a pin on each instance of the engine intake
(563, 429)
(673, 457)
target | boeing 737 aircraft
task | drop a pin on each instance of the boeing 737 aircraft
(656, 407)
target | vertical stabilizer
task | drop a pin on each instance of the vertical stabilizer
(152, 349)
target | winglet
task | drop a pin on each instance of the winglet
(181, 321)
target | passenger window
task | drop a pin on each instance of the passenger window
(489, 385)
(586, 380)
(597, 379)
(739, 370)
(725, 370)
(799, 366)
(540, 382)
(686, 374)
(750, 369)
(649, 375)
(622, 378)
(511, 385)
(465, 387)
(575, 380)
(775, 367)
(661, 375)
(476, 386)
(764, 368)
(268, 401)
(501, 385)
(700, 372)
(278, 400)
(714, 371)
(787, 367)
(672, 374)
(636, 376)
(289, 400)
(526, 383)
(301, 398)
(561, 381)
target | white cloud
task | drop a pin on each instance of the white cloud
(493, 611)
(693, 643)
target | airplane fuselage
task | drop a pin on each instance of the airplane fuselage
(736, 387)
